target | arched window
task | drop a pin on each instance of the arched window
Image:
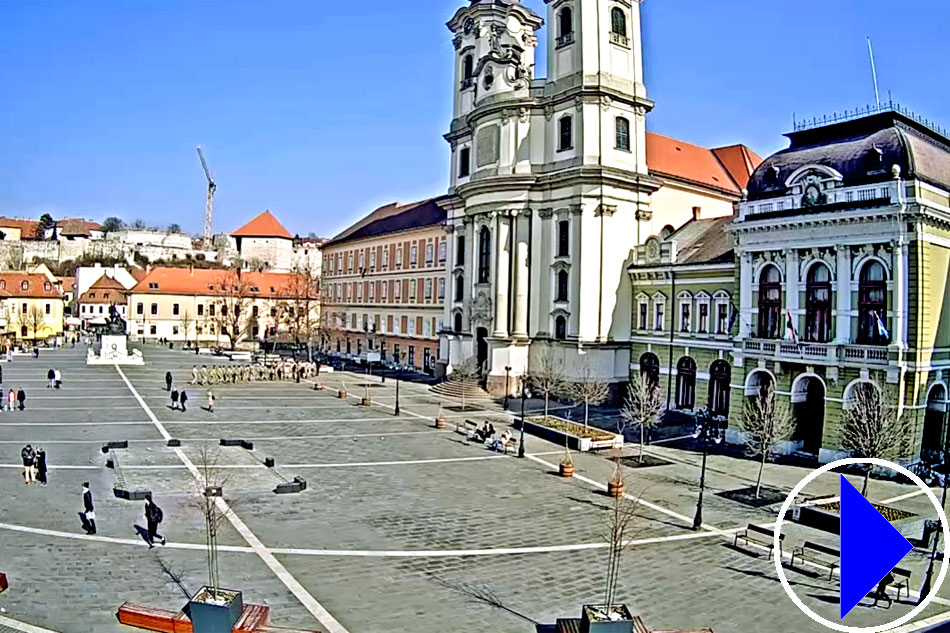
(565, 133)
(484, 255)
(25, 285)
(770, 302)
(460, 250)
(618, 22)
(720, 375)
(458, 322)
(650, 367)
(561, 294)
(872, 305)
(459, 287)
(563, 238)
(565, 22)
(560, 328)
(686, 383)
(623, 134)
(818, 304)
(467, 67)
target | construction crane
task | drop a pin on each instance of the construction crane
(209, 204)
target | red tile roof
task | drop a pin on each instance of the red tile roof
(105, 290)
(27, 227)
(726, 169)
(37, 286)
(208, 282)
(77, 226)
(264, 225)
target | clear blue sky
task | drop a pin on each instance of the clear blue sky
(322, 110)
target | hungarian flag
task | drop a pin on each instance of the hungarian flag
(790, 333)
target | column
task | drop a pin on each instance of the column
(468, 272)
(502, 274)
(574, 322)
(745, 294)
(521, 227)
(843, 288)
(791, 290)
(542, 292)
(899, 285)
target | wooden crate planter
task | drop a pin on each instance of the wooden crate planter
(581, 439)
(365, 401)
(566, 470)
(440, 422)
(615, 488)
(341, 394)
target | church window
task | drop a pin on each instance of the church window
(623, 134)
(818, 304)
(460, 250)
(459, 287)
(565, 26)
(484, 255)
(562, 279)
(618, 22)
(465, 159)
(563, 234)
(467, 71)
(565, 133)
(560, 328)
(770, 302)
(458, 322)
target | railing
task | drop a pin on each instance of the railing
(857, 113)
(827, 352)
(468, 82)
(564, 40)
(617, 38)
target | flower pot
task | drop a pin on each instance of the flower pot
(318, 386)
(614, 488)
(440, 422)
(567, 470)
(341, 394)
(365, 401)
(215, 616)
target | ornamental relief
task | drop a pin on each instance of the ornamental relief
(481, 308)
(826, 256)
(860, 254)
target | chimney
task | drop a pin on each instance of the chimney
(696, 211)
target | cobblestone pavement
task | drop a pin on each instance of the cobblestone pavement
(402, 527)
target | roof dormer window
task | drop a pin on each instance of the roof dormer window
(25, 285)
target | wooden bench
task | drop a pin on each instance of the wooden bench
(818, 554)
(466, 428)
(3, 582)
(763, 537)
(141, 617)
(254, 618)
(901, 581)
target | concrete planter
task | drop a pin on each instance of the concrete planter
(615, 488)
(365, 401)
(215, 617)
(341, 394)
(566, 470)
(440, 422)
(564, 437)
(593, 621)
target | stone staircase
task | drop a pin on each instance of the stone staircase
(455, 389)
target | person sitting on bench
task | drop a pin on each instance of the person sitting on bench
(881, 592)
(482, 434)
(502, 442)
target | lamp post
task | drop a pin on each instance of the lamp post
(507, 373)
(928, 579)
(707, 428)
(521, 442)
(397, 356)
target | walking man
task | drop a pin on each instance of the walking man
(88, 515)
(28, 455)
(168, 381)
(21, 398)
(50, 377)
(210, 401)
(57, 378)
(153, 516)
(182, 398)
(41, 466)
(174, 398)
(194, 374)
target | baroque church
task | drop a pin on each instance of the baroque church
(554, 183)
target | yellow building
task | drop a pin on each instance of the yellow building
(31, 306)
(224, 308)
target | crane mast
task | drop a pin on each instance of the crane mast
(209, 203)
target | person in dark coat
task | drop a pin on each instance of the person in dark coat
(28, 455)
(88, 515)
(168, 381)
(50, 376)
(153, 516)
(21, 398)
(182, 398)
(41, 466)
(174, 398)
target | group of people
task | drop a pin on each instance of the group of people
(153, 516)
(55, 378)
(286, 370)
(486, 435)
(15, 398)
(180, 398)
(34, 465)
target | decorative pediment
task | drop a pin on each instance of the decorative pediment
(812, 173)
(702, 295)
(659, 297)
(826, 256)
(560, 312)
(481, 307)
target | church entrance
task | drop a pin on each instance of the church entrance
(481, 348)
(932, 441)
(808, 406)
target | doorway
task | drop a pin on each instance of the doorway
(808, 405)
(481, 347)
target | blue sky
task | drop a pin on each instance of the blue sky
(321, 110)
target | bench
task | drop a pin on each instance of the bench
(901, 581)
(509, 444)
(818, 554)
(467, 428)
(141, 617)
(755, 535)
(254, 618)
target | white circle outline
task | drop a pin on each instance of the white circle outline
(777, 545)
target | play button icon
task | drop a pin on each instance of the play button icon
(870, 547)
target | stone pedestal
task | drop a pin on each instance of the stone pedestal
(114, 350)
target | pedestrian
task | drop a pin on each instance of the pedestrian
(11, 399)
(182, 398)
(57, 378)
(153, 516)
(28, 455)
(36, 352)
(88, 515)
(194, 374)
(174, 398)
(21, 398)
(210, 401)
(41, 466)
(168, 381)
(9, 354)
(50, 377)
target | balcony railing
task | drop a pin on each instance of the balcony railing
(819, 352)
(617, 38)
(564, 40)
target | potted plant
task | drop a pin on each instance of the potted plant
(440, 421)
(613, 618)
(365, 401)
(341, 394)
(567, 465)
(615, 485)
(215, 610)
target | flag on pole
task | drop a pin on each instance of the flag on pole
(733, 316)
(790, 333)
(882, 330)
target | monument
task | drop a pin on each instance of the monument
(114, 344)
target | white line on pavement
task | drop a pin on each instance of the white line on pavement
(16, 625)
(309, 602)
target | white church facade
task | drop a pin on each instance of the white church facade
(554, 183)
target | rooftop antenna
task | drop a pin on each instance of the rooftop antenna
(877, 95)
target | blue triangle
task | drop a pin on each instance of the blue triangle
(870, 547)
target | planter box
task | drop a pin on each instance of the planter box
(591, 624)
(215, 618)
(572, 441)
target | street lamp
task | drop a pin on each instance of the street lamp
(521, 442)
(507, 372)
(708, 428)
(397, 356)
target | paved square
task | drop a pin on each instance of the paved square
(402, 526)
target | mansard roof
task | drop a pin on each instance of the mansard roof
(394, 218)
(863, 150)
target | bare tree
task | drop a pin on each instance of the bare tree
(590, 388)
(234, 300)
(299, 306)
(619, 530)
(466, 373)
(766, 422)
(642, 407)
(873, 426)
(185, 320)
(208, 501)
(34, 319)
(546, 376)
